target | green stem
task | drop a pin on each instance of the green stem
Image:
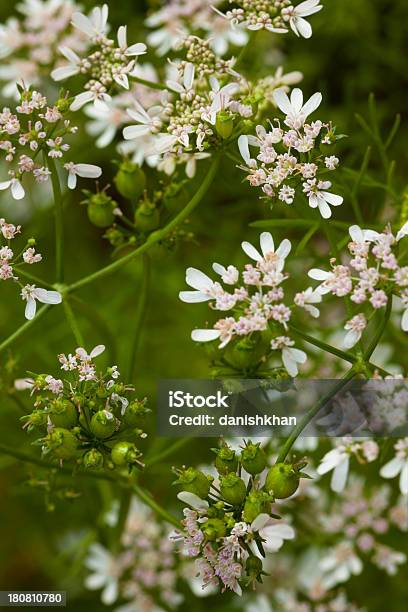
(166, 452)
(140, 314)
(125, 503)
(151, 84)
(155, 236)
(324, 346)
(312, 413)
(35, 279)
(149, 501)
(59, 220)
(21, 330)
(372, 346)
(72, 322)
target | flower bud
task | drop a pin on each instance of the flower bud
(124, 453)
(225, 461)
(253, 458)
(62, 443)
(282, 480)
(233, 489)
(100, 209)
(147, 216)
(136, 413)
(194, 481)
(103, 424)
(130, 180)
(256, 503)
(224, 124)
(93, 459)
(214, 529)
(63, 413)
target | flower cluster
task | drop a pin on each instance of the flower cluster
(10, 263)
(88, 417)
(107, 63)
(259, 319)
(37, 127)
(29, 44)
(179, 18)
(369, 277)
(275, 16)
(229, 523)
(146, 562)
(290, 157)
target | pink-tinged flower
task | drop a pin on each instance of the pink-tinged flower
(296, 16)
(291, 357)
(15, 186)
(306, 299)
(82, 170)
(269, 255)
(296, 112)
(205, 288)
(320, 198)
(398, 465)
(31, 294)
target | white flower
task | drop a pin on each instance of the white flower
(105, 573)
(96, 94)
(296, 112)
(188, 79)
(133, 50)
(205, 288)
(268, 250)
(398, 465)
(31, 293)
(148, 121)
(16, 188)
(95, 25)
(360, 236)
(272, 532)
(70, 69)
(320, 198)
(340, 564)
(338, 460)
(355, 328)
(290, 356)
(307, 298)
(83, 170)
(295, 16)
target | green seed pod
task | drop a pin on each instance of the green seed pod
(62, 443)
(233, 489)
(224, 124)
(194, 481)
(256, 503)
(103, 424)
(253, 459)
(226, 460)
(282, 480)
(124, 453)
(100, 209)
(93, 459)
(63, 413)
(130, 180)
(147, 217)
(214, 528)
(136, 413)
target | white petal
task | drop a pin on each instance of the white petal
(136, 49)
(296, 99)
(356, 233)
(17, 190)
(88, 170)
(392, 468)
(30, 309)
(110, 593)
(284, 248)
(48, 297)
(251, 251)
(72, 180)
(5, 185)
(198, 280)
(204, 335)
(243, 146)
(122, 39)
(318, 274)
(339, 477)
(94, 581)
(135, 131)
(289, 362)
(84, 24)
(332, 198)
(403, 231)
(80, 100)
(260, 521)
(324, 208)
(313, 103)
(97, 350)
(301, 26)
(404, 479)
(193, 297)
(282, 101)
(404, 321)
(219, 269)
(192, 500)
(351, 339)
(267, 243)
(188, 76)
(59, 74)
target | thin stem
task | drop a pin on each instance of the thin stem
(35, 279)
(125, 502)
(72, 322)
(325, 347)
(372, 346)
(21, 330)
(151, 84)
(155, 236)
(59, 220)
(149, 501)
(140, 314)
(312, 413)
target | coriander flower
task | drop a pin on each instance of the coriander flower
(82, 170)
(338, 460)
(296, 16)
(105, 573)
(15, 186)
(320, 198)
(296, 112)
(30, 293)
(398, 465)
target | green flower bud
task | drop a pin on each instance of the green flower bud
(194, 481)
(31, 242)
(214, 529)
(124, 453)
(130, 180)
(62, 443)
(256, 503)
(225, 461)
(103, 424)
(233, 489)
(224, 124)
(282, 480)
(63, 413)
(253, 459)
(100, 209)
(147, 217)
(93, 459)
(136, 413)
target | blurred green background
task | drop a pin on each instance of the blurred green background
(358, 47)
